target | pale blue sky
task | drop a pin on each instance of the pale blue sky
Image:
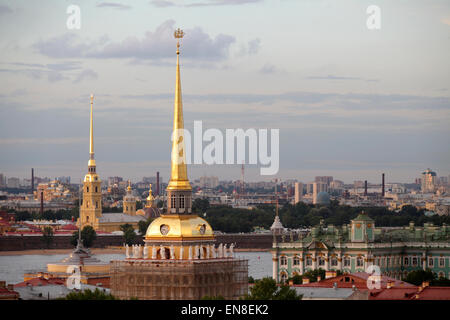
(349, 102)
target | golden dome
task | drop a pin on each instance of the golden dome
(179, 227)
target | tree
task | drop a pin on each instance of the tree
(90, 295)
(143, 225)
(47, 236)
(267, 289)
(128, 233)
(417, 277)
(200, 205)
(88, 235)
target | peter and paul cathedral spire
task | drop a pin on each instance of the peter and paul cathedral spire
(91, 206)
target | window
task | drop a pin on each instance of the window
(126, 208)
(283, 277)
(359, 262)
(430, 262)
(414, 261)
(283, 261)
(308, 261)
(406, 261)
(87, 189)
(87, 204)
(321, 261)
(296, 261)
(96, 204)
(441, 262)
(96, 189)
(346, 262)
(172, 201)
(182, 201)
(334, 262)
(388, 261)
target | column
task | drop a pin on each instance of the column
(326, 261)
(275, 268)
(339, 261)
(301, 264)
(314, 261)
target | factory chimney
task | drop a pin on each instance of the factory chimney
(157, 183)
(32, 180)
(365, 187)
(42, 203)
(382, 185)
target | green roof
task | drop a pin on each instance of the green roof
(363, 217)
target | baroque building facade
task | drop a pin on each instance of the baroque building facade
(358, 245)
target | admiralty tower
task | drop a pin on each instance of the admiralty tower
(180, 258)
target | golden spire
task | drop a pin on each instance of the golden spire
(178, 177)
(150, 198)
(91, 137)
(129, 186)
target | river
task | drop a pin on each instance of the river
(12, 268)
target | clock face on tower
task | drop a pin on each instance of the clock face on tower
(202, 229)
(164, 229)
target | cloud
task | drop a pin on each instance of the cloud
(53, 72)
(333, 77)
(113, 5)
(155, 45)
(85, 74)
(164, 3)
(5, 10)
(268, 68)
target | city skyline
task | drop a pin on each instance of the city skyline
(351, 107)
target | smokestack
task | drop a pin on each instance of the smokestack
(42, 203)
(157, 183)
(32, 180)
(365, 187)
(382, 185)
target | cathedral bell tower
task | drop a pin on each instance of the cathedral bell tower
(91, 206)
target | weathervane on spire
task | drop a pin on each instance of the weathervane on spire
(178, 34)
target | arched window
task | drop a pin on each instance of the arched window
(414, 261)
(87, 188)
(308, 261)
(96, 189)
(296, 261)
(283, 260)
(430, 262)
(346, 262)
(334, 262)
(406, 261)
(182, 201)
(359, 262)
(172, 201)
(283, 277)
(321, 261)
(441, 262)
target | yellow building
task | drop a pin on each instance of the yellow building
(129, 202)
(91, 205)
(180, 259)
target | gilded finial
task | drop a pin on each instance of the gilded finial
(92, 98)
(178, 34)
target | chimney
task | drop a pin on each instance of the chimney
(382, 185)
(365, 187)
(32, 180)
(157, 183)
(305, 280)
(42, 203)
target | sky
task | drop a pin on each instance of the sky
(348, 101)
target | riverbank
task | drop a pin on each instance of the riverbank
(110, 250)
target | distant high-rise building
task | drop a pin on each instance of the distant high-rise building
(13, 182)
(114, 180)
(209, 182)
(336, 184)
(298, 193)
(2, 180)
(324, 179)
(318, 187)
(65, 180)
(428, 181)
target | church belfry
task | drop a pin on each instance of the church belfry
(91, 206)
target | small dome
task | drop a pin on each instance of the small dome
(323, 198)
